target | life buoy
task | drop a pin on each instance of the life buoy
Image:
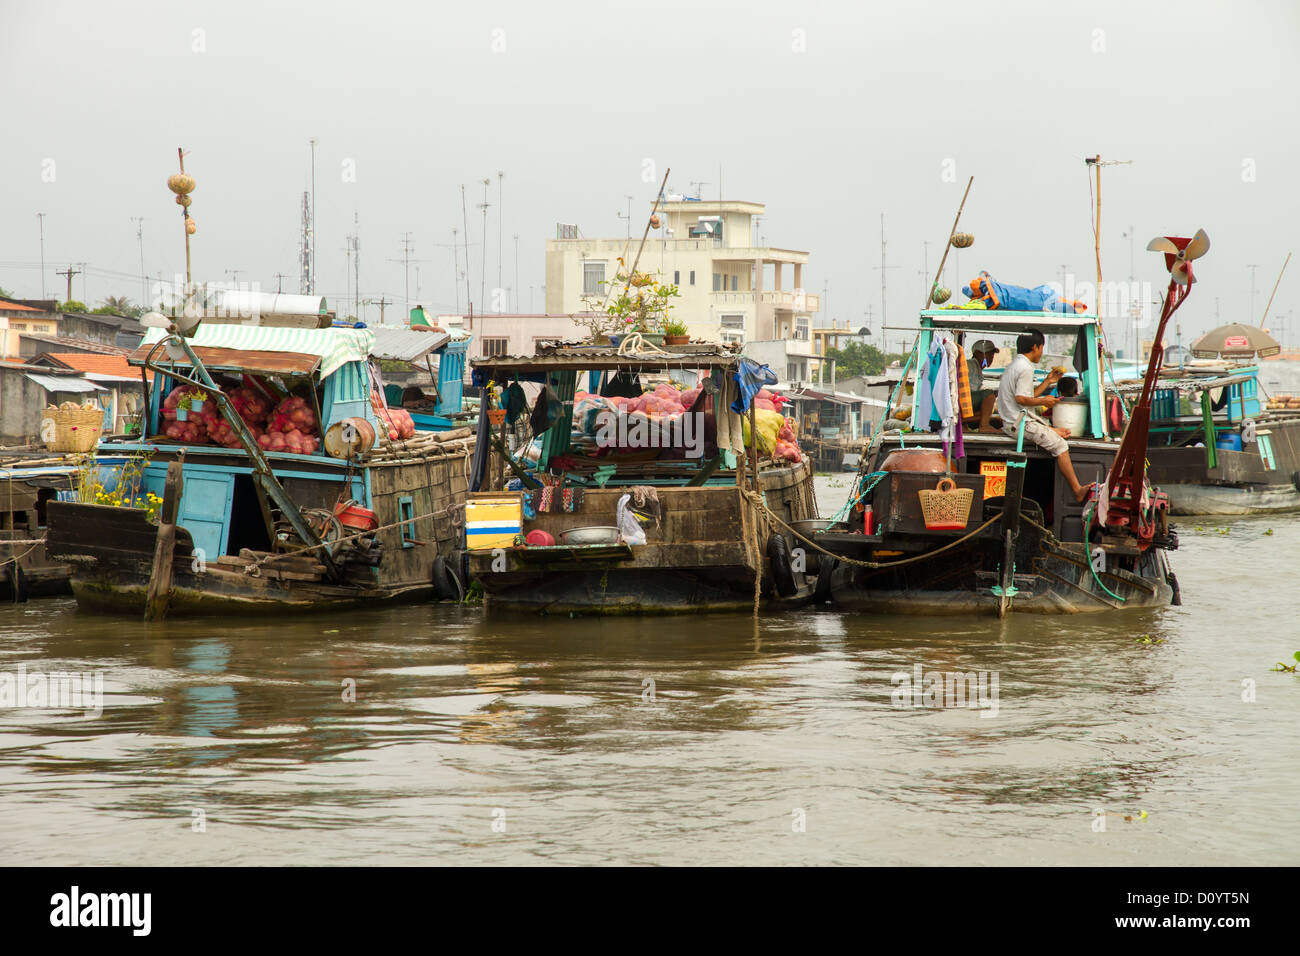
(778, 555)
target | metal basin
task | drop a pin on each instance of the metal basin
(596, 534)
(810, 526)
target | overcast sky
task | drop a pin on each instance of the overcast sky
(830, 113)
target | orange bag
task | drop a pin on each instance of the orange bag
(963, 386)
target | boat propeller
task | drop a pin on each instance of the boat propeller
(1180, 252)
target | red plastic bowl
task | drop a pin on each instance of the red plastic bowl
(539, 538)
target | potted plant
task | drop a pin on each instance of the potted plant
(183, 407)
(640, 306)
(196, 401)
(676, 333)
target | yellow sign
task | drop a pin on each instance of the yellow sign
(995, 478)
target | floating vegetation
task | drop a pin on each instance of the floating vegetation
(1148, 639)
(1289, 668)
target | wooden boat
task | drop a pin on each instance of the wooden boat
(714, 538)
(27, 484)
(1025, 544)
(1237, 455)
(244, 529)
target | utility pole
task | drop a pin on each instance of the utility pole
(500, 213)
(515, 298)
(884, 310)
(406, 260)
(69, 272)
(41, 216)
(925, 267)
(455, 267)
(1252, 267)
(356, 265)
(279, 282)
(139, 236)
(464, 215)
(234, 275)
(381, 302)
(312, 289)
(482, 269)
(628, 217)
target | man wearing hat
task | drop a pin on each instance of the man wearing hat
(982, 399)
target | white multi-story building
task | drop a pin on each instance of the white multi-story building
(731, 289)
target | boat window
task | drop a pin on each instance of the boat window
(406, 515)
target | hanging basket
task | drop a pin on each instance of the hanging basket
(496, 416)
(941, 295)
(962, 240)
(946, 508)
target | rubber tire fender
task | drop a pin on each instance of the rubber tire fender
(778, 556)
(444, 580)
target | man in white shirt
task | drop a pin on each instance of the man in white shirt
(1018, 398)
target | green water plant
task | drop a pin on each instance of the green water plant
(1289, 668)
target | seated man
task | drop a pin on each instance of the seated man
(1018, 397)
(982, 399)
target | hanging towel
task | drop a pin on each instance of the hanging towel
(730, 433)
(925, 386)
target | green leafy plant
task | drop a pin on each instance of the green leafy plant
(126, 491)
(641, 305)
(675, 327)
(1289, 668)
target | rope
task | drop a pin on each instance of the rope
(853, 499)
(874, 565)
(642, 347)
(249, 568)
(1087, 522)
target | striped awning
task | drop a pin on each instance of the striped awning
(334, 347)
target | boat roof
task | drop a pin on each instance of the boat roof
(1000, 321)
(406, 344)
(605, 358)
(274, 351)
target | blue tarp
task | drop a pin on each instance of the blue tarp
(751, 378)
(1016, 298)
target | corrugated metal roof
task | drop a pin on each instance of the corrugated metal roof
(63, 383)
(331, 347)
(405, 345)
(596, 358)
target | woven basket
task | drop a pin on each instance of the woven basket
(946, 509)
(77, 428)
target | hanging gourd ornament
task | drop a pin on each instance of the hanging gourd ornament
(190, 227)
(654, 222)
(940, 295)
(184, 201)
(181, 184)
(962, 240)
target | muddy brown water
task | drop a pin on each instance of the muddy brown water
(476, 739)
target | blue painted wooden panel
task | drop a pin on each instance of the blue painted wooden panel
(205, 510)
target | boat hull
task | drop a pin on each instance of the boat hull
(702, 559)
(1056, 583)
(1191, 499)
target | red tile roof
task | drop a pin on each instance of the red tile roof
(98, 364)
(4, 305)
